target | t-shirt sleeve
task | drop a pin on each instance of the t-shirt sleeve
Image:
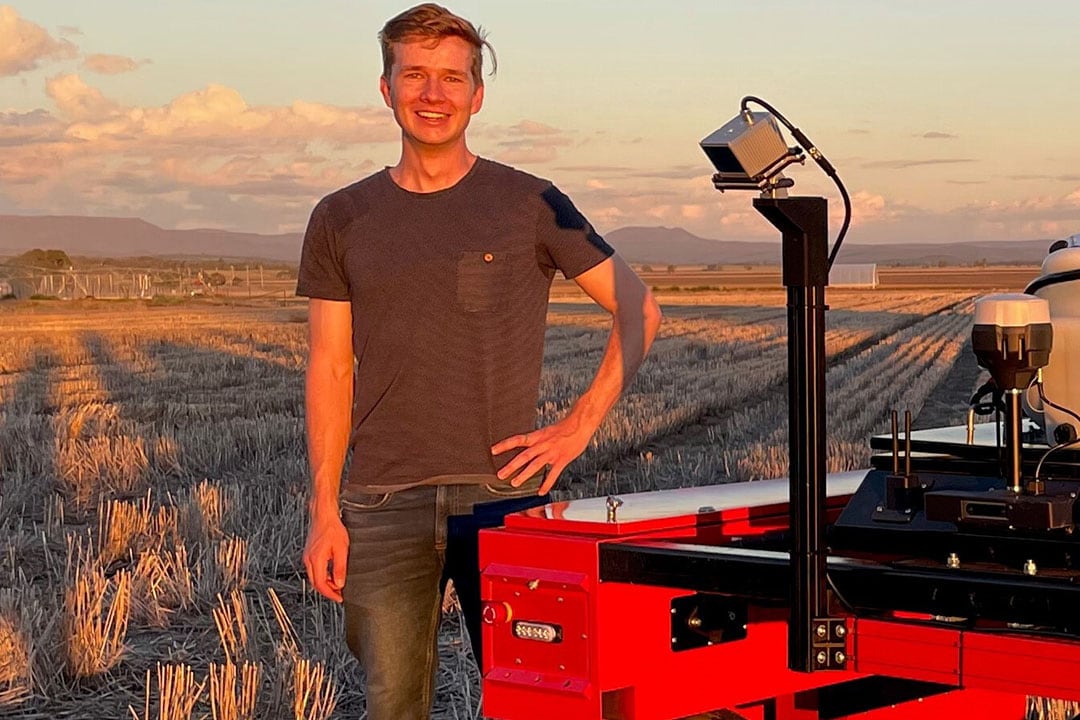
(322, 272)
(566, 238)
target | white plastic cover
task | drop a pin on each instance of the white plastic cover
(1011, 310)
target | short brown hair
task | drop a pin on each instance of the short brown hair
(434, 22)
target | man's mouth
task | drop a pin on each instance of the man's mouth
(428, 115)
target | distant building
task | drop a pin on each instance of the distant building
(854, 276)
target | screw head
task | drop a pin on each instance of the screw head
(839, 657)
(821, 631)
(822, 658)
(841, 631)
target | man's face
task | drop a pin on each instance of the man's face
(431, 90)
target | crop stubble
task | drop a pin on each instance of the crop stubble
(154, 479)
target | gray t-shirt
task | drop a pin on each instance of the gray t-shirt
(449, 294)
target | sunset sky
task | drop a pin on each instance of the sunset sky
(947, 120)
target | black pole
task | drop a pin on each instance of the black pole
(803, 223)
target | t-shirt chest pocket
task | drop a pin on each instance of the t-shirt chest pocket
(488, 280)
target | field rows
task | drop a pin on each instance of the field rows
(154, 481)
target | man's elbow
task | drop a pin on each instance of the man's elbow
(652, 315)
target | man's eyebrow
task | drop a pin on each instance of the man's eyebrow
(459, 73)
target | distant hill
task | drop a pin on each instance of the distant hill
(132, 237)
(676, 246)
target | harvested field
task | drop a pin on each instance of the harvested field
(154, 480)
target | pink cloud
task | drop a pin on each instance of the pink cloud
(111, 64)
(25, 45)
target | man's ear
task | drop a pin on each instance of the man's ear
(384, 89)
(478, 100)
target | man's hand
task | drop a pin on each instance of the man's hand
(326, 554)
(554, 446)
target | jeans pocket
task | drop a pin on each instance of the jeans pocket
(506, 490)
(363, 502)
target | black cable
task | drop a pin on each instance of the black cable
(1047, 401)
(820, 159)
(1067, 411)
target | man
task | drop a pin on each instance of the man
(433, 277)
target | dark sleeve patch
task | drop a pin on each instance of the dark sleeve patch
(566, 238)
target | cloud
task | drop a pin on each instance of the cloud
(906, 164)
(935, 135)
(597, 169)
(77, 100)
(1067, 177)
(25, 45)
(265, 164)
(111, 64)
(966, 182)
(525, 143)
(531, 127)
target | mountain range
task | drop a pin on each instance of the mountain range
(82, 236)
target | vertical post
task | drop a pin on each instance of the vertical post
(803, 224)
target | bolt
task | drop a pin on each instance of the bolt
(673, 611)
(822, 658)
(880, 508)
(841, 631)
(517, 661)
(694, 622)
(821, 631)
(1030, 568)
(839, 657)
(953, 561)
(533, 584)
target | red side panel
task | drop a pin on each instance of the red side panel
(1005, 661)
(909, 651)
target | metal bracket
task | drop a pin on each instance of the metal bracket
(705, 619)
(828, 644)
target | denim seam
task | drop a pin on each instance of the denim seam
(429, 664)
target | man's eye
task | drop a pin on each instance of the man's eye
(453, 78)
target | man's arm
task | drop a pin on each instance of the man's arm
(635, 320)
(328, 410)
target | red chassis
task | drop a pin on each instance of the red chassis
(559, 643)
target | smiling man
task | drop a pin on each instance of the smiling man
(429, 285)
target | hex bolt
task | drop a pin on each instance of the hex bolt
(953, 561)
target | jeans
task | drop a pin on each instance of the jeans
(403, 547)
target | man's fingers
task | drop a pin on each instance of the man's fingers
(551, 478)
(519, 461)
(530, 470)
(514, 441)
(338, 563)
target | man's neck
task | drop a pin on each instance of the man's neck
(427, 172)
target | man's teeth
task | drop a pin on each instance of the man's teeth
(431, 115)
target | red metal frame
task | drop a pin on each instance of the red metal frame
(615, 659)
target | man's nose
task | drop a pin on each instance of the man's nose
(432, 90)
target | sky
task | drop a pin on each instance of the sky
(947, 121)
